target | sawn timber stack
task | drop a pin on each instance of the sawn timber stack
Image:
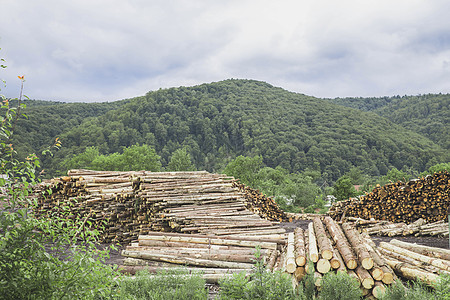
(129, 204)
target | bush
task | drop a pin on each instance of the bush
(260, 285)
(39, 257)
(413, 291)
(340, 286)
(171, 284)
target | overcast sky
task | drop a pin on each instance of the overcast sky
(106, 50)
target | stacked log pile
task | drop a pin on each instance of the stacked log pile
(385, 228)
(302, 216)
(260, 204)
(127, 204)
(324, 247)
(328, 247)
(427, 198)
(412, 261)
(206, 253)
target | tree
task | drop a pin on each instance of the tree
(343, 188)
(180, 161)
(245, 169)
(395, 175)
(134, 158)
(84, 160)
(141, 158)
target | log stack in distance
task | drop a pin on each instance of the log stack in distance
(427, 198)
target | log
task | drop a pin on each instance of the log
(186, 260)
(439, 263)
(365, 277)
(407, 271)
(353, 237)
(300, 256)
(272, 260)
(317, 279)
(440, 253)
(210, 241)
(341, 267)
(342, 243)
(290, 255)
(324, 244)
(134, 269)
(379, 290)
(323, 266)
(313, 251)
(300, 273)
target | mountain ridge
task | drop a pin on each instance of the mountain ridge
(219, 121)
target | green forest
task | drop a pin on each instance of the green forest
(295, 145)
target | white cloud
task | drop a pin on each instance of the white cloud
(106, 50)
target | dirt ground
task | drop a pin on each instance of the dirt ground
(116, 258)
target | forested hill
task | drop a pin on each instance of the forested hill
(425, 114)
(219, 121)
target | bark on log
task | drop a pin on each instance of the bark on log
(313, 251)
(290, 255)
(300, 256)
(342, 243)
(324, 244)
(443, 254)
(186, 260)
(363, 255)
(365, 277)
(439, 263)
(406, 271)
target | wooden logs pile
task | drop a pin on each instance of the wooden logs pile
(413, 261)
(328, 247)
(427, 198)
(127, 204)
(208, 254)
(302, 216)
(417, 228)
(260, 204)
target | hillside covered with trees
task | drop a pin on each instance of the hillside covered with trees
(428, 114)
(219, 121)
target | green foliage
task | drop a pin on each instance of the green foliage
(395, 175)
(442, 287)
(340, 286)
(180, 161)
(170, 284)
(219, 121)
(134, 158)
(39, 257)
(245, 169)
(424, 114)
(260, 285)
(290, 190)
(309, 287)
(437, 168)
(344, 189)
(412, 291)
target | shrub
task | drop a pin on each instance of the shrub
(259, 285)
(171, 284)
(339, 286)
(39, 257)
(411, 291)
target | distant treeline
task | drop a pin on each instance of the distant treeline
(215, 123)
